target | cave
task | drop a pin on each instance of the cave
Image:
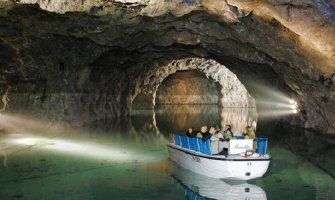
(188, 87)
(81, 71)
(124, 74)
(232, 92)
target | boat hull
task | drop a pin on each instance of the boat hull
(219, 166)
(197, 186)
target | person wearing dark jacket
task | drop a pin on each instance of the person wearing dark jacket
(208, 134)
(191, 133)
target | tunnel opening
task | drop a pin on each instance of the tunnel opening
(194, 92)
(188, 87)
(94, 68)
(299, 62)
(153, 87)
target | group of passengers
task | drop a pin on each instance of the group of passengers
(218, 137)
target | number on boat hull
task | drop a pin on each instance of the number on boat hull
(196, 159)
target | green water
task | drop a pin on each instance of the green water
(128, 159)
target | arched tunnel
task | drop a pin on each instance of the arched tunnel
(90, 89)
(85, 67)
(232, 92)
(194, 81)
(188, 87)
(75, 65)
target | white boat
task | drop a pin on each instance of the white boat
(195, 155)
(196, 186)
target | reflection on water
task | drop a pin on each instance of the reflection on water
(239, 118)
(318, 149)
(293, 177)
(127, 159)
(178, 118)
(148, 124)
(195, 186)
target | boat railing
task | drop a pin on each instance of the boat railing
(262, 145)
(238, 145)
(205, 147)
(195, 144)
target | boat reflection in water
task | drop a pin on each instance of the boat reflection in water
(196, 186)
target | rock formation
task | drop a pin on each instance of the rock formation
(233, 92)
(89, 59)
(187, 88)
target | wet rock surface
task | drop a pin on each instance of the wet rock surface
(231, 91)
(188, 87)
(87, 66)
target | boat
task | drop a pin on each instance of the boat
(239, 163)
(196, 186)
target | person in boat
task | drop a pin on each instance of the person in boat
(216, 137)
(209, 134)
(203, 132)
(217, 143)
(250, 134)
(191, 133)
(228, 134)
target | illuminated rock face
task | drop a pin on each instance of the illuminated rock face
(311, 20)
(188, 87)
(232, 92)
(94, 65)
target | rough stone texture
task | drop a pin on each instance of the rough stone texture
(188, 87)
(233, 92)
(75, 109)
(306, 18)
(110, 54)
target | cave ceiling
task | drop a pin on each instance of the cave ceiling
(106, 47)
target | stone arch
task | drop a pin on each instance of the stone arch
(233, 92)
(189, 87)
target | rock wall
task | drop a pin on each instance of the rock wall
(232, 94)
(110, 55)
(311, 20)
(188, 87)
